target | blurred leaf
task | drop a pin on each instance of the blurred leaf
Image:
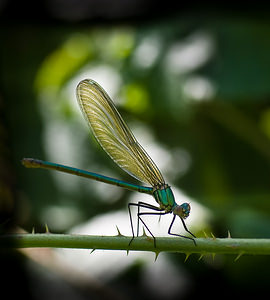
(241, 67)
(62, 62)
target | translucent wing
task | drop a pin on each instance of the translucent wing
(114, 135)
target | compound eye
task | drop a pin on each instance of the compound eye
(182, 210)
(186, 209)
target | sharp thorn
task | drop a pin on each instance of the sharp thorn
(47, 228)
(144, 234)
(201, 256)
(206, 236)
(214, 238)
(238, 256)
(118, 231)
(33, 230)
(156, 256)
(229, 235)
(187, 256)
(92, 251)
(127, 252)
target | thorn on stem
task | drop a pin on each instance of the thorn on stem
(157, 254)
(118, 231)
(144, 234)
(47, 228)
(214, 238)
(206, 236)
(201, 256)
(238, 256)
(187, 256)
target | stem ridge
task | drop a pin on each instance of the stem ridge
(238, 246)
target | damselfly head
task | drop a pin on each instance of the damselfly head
(182, 210)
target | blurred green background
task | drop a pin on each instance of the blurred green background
(194, 86)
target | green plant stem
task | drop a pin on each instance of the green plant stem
(142, 243)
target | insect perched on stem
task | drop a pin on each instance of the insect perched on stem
(118, 141)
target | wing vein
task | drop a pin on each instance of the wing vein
(113, 134)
